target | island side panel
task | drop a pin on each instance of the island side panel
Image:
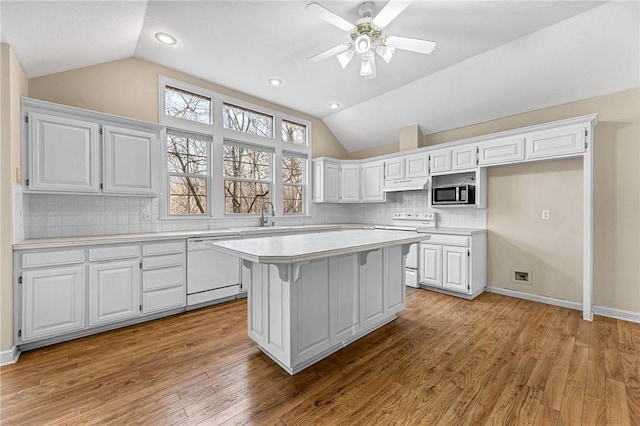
(395, 288)
(345, 296)
(371, 286)
(310, 300)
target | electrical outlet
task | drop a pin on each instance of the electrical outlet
(145, 216)
(546, 214)
(520, 277)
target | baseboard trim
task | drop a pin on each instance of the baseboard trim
(620, 314)
(535, 298)
(9, 356)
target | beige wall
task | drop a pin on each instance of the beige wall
(616, 205)
(373, 152)
(129, 87)
(13, 84)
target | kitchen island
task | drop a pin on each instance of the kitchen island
(309, 295)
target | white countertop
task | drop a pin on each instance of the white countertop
(61, 242)
(453, 231)
(303, 247)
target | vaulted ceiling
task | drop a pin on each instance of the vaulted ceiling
(493, 58)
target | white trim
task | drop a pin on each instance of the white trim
(620, 314)
(587, 226)
(535, 298)
(9, 356)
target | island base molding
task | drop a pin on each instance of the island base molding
(302, 312)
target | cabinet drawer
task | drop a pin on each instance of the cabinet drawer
(449, 240)
(163, 299)
(162, 278)
(117, 252)
(163, 248)
(51, 258)
(163, 261)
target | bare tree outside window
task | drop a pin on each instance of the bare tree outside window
(187, 105)
(292, 184)
(247, 179)
(247, 121)
(294, 133)
(187, 167)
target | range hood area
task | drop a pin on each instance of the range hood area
(409, 184)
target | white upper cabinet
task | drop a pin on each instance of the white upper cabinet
(63, 154)
(499, 151)
(326, 181)
(61, 151)
(394, 168)
(372, 181)
(440, 161)
(463, 157)
(350, 182)
(556, 142)
(417, 165)
(128, 160)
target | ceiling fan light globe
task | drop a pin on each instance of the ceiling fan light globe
(386, 53)
(363, 43)
(344, 58)
(366, 68)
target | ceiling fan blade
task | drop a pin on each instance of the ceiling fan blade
(336, 50)
(389, 12)
(329, 16)
(412, 44)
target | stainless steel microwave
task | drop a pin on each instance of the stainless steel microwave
(453, 195)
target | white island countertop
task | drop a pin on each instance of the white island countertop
(304, 247)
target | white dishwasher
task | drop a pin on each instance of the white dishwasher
(212, 276)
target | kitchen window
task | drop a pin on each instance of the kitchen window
(187, 166)
(294, 132)
(247, 179)
(293, 184)
(227, 156)
(247, 121)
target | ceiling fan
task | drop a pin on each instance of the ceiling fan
(366, 36)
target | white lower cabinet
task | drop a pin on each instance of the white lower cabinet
(52, 302)
(114, 291)
(65, 293)
(454, 263)
(163, 276)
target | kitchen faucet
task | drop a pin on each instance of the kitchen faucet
(264, 220)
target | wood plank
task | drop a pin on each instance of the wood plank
(444, 361)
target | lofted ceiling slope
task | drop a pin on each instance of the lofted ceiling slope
(494, 58)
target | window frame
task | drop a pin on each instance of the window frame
(303, 185)
(207, 176)
(219, 136)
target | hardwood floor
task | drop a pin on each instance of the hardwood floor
(446, 361)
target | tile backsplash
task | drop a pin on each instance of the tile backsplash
(52, 215)
(418, 202)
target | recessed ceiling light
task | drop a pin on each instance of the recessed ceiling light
(165, 38)
(275, 82)
(334, 105)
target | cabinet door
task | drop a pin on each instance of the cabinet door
(455, 266)
(350, 183)
(556, 142)
(114, 291)
(63, 154)
(505, 150)
(430, 265)
(394, 169)
(417, 165)
(463, 157)
(331, 182)
(52, 302)
(440, 161)
(372, 182)
(129, 161)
